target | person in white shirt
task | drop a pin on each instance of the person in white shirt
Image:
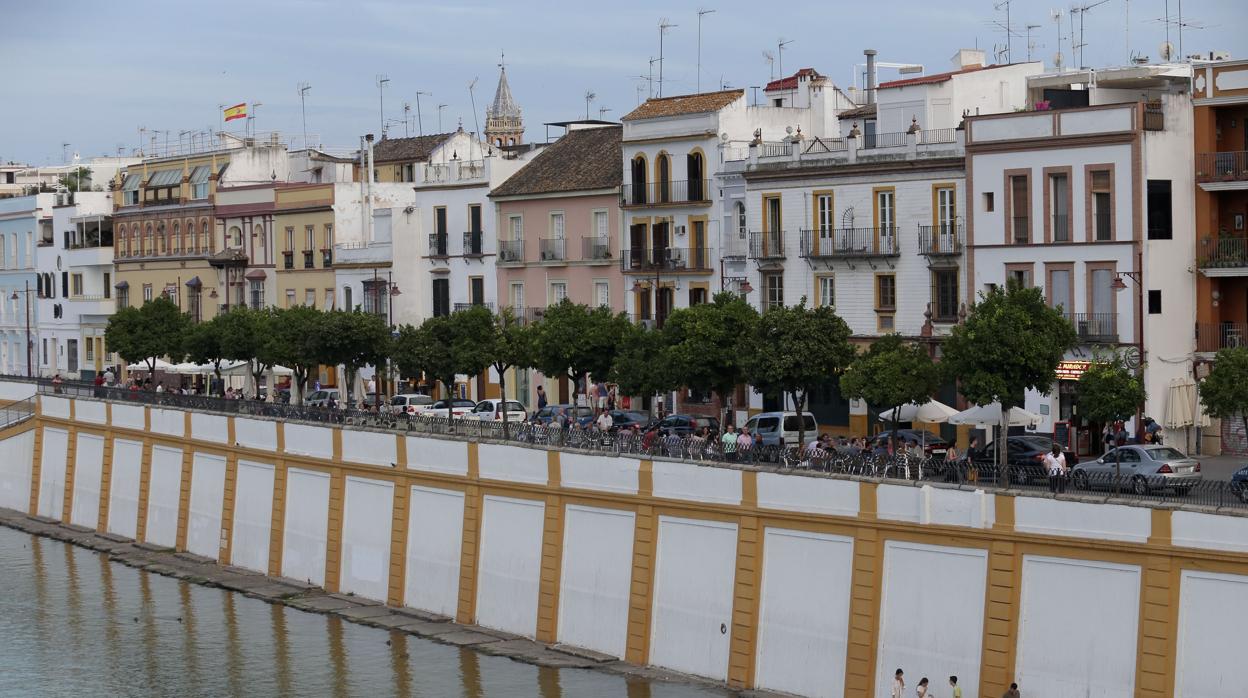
(1055, 464)
(605, 422)
(899, 685)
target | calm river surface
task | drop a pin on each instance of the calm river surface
(74, 624)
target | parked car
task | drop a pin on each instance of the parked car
(933, 445)
(627, 419)
(584, 415)
(1025, 454)
(320, 398)
(685, 424)
(410, 403)
(493, 410)
(1145, 468)
(776, 428)
(371, 400)
(458, 407)
(1239, 483)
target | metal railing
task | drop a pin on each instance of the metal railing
(288, 259)
(308, 260)
(837, 461)
(940, 240)
(670, 259)
(510, 251)
(938, 135)
(691, 191)
(327, 258)
(472, 243)
(1095, 327)
(1223, 253)
(1214, 336)
(466, 306)
(596, 249)
(826, 145)
(1020, 230)
(895, 139)
(835, 243)
(552, 249)
(775, 149)
(767, 245)
(437, 244)
(1222, 167)
(1154, 117)
(1101, 229)
(16, 412)
(1060, 227)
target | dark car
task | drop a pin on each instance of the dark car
(1025, 454)
(584, 415)
(1239, 483)
(685, 424)
(627, 419)
(933, 445)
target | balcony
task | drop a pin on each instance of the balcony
(472, 243)
(1223, 256)
(466, 306)
(945, 240)
(84, 256)
(1095, 327)
(670, 193)
(552, 249)
(849, 243)
(527, 316)
(288, 259)
(1213, 336)
(1020, 230)
(667, 259)
(437, 244)
(510, 252)
(1059, 227)
(309, 261)
(1220, 171)
(896, 139)
(596, 249)
(362, 253)
(767, 246)
(327, 258)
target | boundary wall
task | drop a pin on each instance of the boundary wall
(807, 584)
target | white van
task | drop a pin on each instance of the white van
(774, 428)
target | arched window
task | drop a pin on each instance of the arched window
(663, 175)
(695, 172)
(204, 247)
(119, 241)
(235, 237)
(638, 194)
(188, 239)
(145, 245)
(161, 240)
(176, 241)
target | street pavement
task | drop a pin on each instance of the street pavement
(1220, 467)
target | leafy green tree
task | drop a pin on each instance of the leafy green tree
(246, 335)
(795, 348)
(155, 329)
(509, 344)
(1109, 392)
(1224, 392)
(704, 344)
(352, 339)
(641, 365)
(77, 180)
(1011, 341)
(574, 340)
(205, 345)
(294, 340)
(892, 373)
(443, 347)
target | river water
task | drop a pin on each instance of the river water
(72, 623)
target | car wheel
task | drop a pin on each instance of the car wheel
(1139, 485)
(1081, 480)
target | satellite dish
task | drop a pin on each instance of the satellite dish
(1167, 50)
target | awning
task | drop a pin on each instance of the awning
(255, 275)
(165, 178)
(194, 282)
(132, 182)
(122, 284)
(199, 175)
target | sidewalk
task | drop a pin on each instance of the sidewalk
(1220, 467)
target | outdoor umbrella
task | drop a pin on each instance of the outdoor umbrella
(1181, 403)
(991, 414)
(931, 412)
(161, 365)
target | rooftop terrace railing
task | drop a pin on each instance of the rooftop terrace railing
(839, 462)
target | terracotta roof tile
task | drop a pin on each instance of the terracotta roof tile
(684, 104)
(938, 77)
(790, 82)
(584, 159)
(413, 149)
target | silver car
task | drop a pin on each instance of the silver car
(1143, 467)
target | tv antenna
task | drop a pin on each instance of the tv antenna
(1008, 27)
(407, 119)
(589, 97)
(780, 44)
(381, 101)
(303, 109)
(1058, 59)
(771, 64)
(602, 113)
(440, 108)
(420, 127)
(701, 13)
(1030, 44)
(664, 25)
(1082, 11)
(1178, 23)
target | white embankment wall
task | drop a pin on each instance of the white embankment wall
(802, 584)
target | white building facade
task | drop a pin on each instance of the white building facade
(24, 221)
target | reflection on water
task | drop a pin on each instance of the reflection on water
(74, 624)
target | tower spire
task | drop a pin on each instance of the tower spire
(504, 124)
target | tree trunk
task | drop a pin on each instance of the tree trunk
(301, 380)
(798, 398)
(502, 389)
(892, 436)
(1003, 461)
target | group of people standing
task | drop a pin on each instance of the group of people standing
(924, 689)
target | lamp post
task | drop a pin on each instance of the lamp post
(394, 293)
(29, 341)
(1118, 284)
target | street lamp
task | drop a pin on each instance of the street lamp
(29, 341)
(1118, 285)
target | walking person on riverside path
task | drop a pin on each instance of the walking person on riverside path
(899, 685)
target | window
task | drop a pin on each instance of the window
(290, 298)
(602, 294)
(328, 233)
(697, 296)
(329, 299)
(1100, 184)
(439, 220)
(123, 298)
(517, 296)
(346, 299)
(108, 285)
(1059, 204)
(1020, 218)
(90, 350)
(76, 284)
(638, 180)
(45, 352)
(695, 173)
(946, 211)
(290, 239)
(441, 297)
(741, 224)
(1058, 291)
(602, 230)
(1160, 218)
(1102, 280)
(474, 218)
(945, 295)
(556, 226)
(309, 297)
(663, 175)
(257, 294)
(885, 292)
(147, 293)
(516, 225)
(235, 237)
(476, 290)
(558, 292)
(886, 220)
(64, 284)
(195, 305)
(309, 243)
(1154, 302)
(1019, 275)
(773, 290)
(177, 238)
(71, 351)
(825, 291)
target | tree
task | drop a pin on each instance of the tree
(1108, 392)
(641, 365)
(795, 348)
(510, 345)
(352, 339)
(155, 329)
(76, 180)
(575, 341)
(295, 342)
(443, 347)
(892, 373)
(247, 335)
(1011, 342)
(1224, 392)
(704, 344)
(204, 344)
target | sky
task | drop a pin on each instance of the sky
(90, 74)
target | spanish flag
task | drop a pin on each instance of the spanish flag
(238, 111)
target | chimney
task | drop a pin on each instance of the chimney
(870, 54)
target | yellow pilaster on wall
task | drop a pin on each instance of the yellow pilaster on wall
(467, 610)
(400, 452)
(71, 459)
(398, 535)
(743, 644)
(552, 557)
(227, 508)
(36, 471)
(277, 526)
(1159, 616)
(864, 607)
(333, 537)
(641, 591)
(145, 477)
(106, 481)
(1001, 607)
(280, 428)
(1003, 505)
(184, 498)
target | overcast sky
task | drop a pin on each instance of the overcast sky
(92, 73)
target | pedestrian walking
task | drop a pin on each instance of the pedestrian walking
(541, 397)
(601, 390)
(728, 443)
(921, 689)
(1013, 692)
(1055, 464)
(899, 685)
(957, 690)
(745, 445)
